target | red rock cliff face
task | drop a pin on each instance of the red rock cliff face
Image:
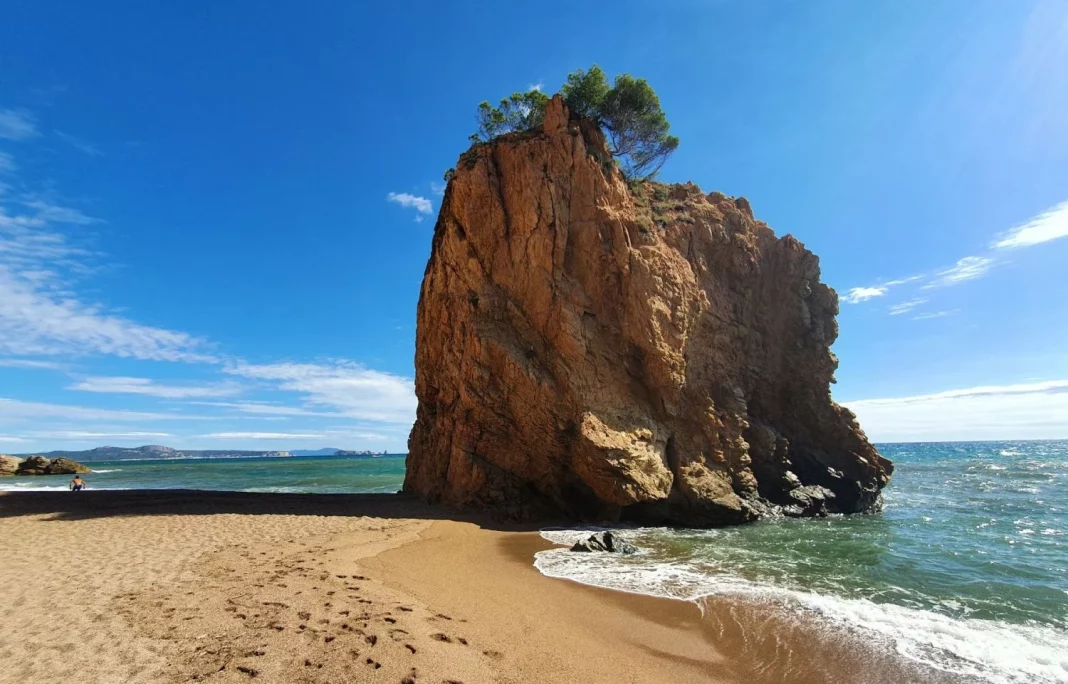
(597, 351)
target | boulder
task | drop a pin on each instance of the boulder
(34, 465)
(9, 464)
(593, 348)
(66, 466)
(607, 543)
(39, 465)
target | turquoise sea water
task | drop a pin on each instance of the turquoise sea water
(310, 474)
(965, 570)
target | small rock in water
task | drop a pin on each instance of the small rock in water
(606, 542)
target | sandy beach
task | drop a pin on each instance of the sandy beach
(177, 586)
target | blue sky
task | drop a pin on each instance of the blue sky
(214, 217)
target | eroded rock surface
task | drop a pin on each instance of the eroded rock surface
(605, 351)
(39, 465)
(9, 464)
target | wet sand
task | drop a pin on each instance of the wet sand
(172, 586)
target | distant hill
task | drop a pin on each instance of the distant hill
(314, 452)
(152, 451)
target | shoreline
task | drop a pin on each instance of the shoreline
(177, 585)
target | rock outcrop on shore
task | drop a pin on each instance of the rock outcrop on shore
(9, 464)
(600, 350)
(39, 465)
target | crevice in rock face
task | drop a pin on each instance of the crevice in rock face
(643, 352)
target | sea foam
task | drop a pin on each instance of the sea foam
(994, 651)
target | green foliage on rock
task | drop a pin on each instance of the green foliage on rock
(517, 112)
(636, 128)
(585, 91)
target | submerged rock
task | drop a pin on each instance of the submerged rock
(600, 350)
(607, 542)
(39, 465)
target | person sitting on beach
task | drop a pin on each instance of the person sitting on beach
(77, 484)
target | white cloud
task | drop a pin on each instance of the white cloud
(17, 125)
(535, 86)
(260, 435)
(438, 188)
(902, 281)
(7, 163)
(79, 434)
(346, 387)
(968, 268)
(48, 212)
(79, 144)
(40, 312)
(145, 386)
(1024, 411)
(420, 204)
(905, 307)
(1049, 225)
(861, 294)
(262, 408)
(15, 409)
(30, 363)
(5, 438)
(933, 314)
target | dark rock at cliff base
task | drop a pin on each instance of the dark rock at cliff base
(599, 349)
(39, 465)
(606, 542)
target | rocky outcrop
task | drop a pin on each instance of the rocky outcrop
(9, 464)
(39, 465)
(611, 351)
(605, 543)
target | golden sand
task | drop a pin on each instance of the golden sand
(230, 587)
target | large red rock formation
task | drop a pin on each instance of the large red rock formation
(599, 350)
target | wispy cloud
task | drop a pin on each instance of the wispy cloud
(13, 440)
(147, 387)
(40, 310)
(31, 363)
(1049, 225)
(48, 212)
(79, 144)
(81, 434)
(968, 268)
(1022, 411)
(420, 204)
(905, 307)
(17, 125)
(266, 409)
(933, 314)
(348, 388)
(863, 294)
(14, 409)
(261, 435)
(7, 163)
(437, 188)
